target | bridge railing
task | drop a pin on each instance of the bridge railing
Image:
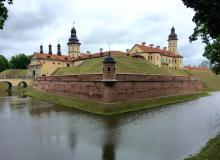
(15, 77)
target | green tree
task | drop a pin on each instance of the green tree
(205, 64)
(4, 11)
(19, 61)
(207, 20)
(4, 64)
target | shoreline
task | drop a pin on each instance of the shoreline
(111, 109)
(209, 151)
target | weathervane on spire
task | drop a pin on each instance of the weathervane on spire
(109, 47)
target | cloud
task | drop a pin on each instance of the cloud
(98, 22)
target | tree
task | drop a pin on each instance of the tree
(205, 64)
(4, 64)
(19, 61)
(4, 11)
(207, 20)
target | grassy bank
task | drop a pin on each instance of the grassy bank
(110, 109)
(13, 72)
(211, 80)
(210, 152)
(125, 64)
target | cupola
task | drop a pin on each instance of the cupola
(109, 73)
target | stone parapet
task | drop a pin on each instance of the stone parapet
(126, 86)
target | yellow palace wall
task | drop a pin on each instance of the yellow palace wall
(49, 66)
(158, 59)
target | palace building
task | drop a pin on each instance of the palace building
(45, 64)
(164, 57)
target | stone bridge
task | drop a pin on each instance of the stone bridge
(16, 81)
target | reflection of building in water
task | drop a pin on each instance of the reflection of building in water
(44, 108)
(72, 139)
(110, 139)
(108, 152)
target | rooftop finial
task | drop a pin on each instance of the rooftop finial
(50, 49)
(41, 49)
(109, 47)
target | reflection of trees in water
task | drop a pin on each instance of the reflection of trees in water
(5, 93)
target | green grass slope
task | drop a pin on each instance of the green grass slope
(210, 152)
(125, 64)
(211, 80)
(12, 72)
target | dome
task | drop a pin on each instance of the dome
(109, 60)
(73, 38)
(173, 35)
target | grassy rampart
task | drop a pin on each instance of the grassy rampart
(110, 109)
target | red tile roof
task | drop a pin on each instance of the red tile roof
(52, 57)
(196, 68)
(157, 50)
(81, 57)
(100, 54)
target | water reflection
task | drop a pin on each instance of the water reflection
(46, 131)
(110, 139)
(4, 93)
(9, 93)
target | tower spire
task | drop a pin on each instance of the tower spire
(73, 44)
(172, 41)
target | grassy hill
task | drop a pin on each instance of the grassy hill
(9, 72)
(127, 64)
(211, 80)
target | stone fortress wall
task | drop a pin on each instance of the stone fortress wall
(125, 87)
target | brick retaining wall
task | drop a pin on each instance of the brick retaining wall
(126, 87)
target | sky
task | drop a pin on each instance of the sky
(120, 23)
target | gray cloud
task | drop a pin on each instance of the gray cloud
(98, 23)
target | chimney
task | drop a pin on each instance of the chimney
(41, 49)
(58, 49)
(50, 49)
(143, 43)
(151, 45)
(164, 48)
(158, 47)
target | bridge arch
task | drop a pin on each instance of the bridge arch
(9, 84)
(22, 84)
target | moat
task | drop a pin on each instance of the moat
(33, 129)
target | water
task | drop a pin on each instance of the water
(35, 130)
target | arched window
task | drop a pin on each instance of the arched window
(109, 69)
